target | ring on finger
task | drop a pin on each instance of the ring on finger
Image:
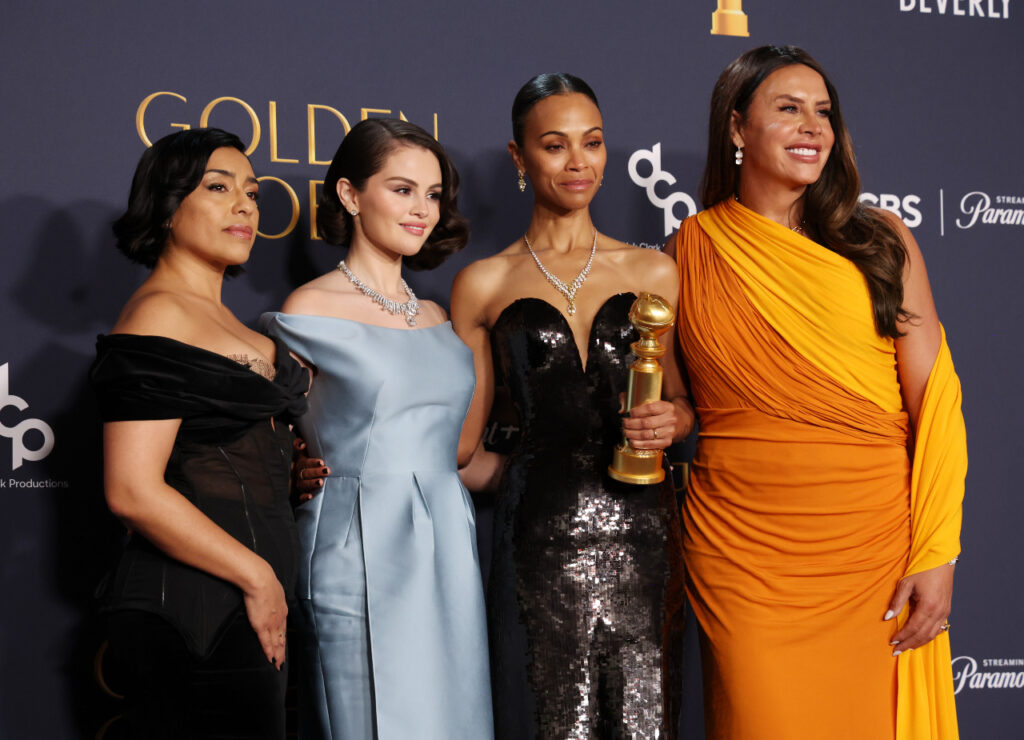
(655, 433)
(945, 627)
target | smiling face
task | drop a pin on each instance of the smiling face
(785, 133)
(400, 204)
(217, 221)
(563, 150)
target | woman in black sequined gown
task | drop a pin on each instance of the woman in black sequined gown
(584, 598)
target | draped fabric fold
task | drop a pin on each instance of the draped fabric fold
(926, 705)
(805, 509)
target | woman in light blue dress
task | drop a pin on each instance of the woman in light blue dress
(393, 642)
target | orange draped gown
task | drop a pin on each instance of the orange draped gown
(808, 502)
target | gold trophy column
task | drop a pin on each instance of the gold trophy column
(652, 316)
(729, 19)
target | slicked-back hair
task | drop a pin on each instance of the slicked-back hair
(540, 87)
(167, 172)
(361, 155)
(832, 213)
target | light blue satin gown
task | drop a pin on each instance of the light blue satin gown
(394, 638)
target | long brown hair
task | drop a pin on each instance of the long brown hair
(832, 211)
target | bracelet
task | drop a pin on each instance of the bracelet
(953, 561)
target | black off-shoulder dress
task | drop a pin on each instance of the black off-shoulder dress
(193, 663)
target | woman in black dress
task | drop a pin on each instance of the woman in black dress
(584, 598)
(196, 409)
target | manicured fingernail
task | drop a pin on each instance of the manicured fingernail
(319, 482)
(324, 471)
(888, 615)
(896, 652)
(895, 642)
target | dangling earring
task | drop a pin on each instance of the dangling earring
(521, 182)
(739, 156)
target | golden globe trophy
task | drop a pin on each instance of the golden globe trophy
(652, 316)
(729, 19)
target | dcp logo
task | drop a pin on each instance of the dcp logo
(19, 452)
(653, 157)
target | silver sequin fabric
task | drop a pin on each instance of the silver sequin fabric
(585, 592)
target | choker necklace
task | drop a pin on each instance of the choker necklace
(569, 291)
(409, 309)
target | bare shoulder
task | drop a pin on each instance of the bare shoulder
(915, 259)
(316, 297)
(482, 286)
(482, 278)
(642, 262)
(160, 313)
(431, 314)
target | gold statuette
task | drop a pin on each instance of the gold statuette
(729, 19)
(652, 316)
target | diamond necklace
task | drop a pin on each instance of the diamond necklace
(409, 309)
(569, 291)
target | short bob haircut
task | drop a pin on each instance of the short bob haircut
(540, 87)
(832, 211)
(167, 172)
(360, 156)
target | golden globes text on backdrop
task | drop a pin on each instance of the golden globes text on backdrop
(729, 19)
(314, 112)
(652, 316)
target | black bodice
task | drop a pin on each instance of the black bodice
(557, 399)
(585, 589)
(231, 458)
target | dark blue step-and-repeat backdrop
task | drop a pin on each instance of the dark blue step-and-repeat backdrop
(930, 90)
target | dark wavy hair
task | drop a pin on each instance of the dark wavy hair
(361, 155)
(167, 172)
(832, 212)
(540, 87)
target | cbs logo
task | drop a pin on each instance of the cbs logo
(905, 207)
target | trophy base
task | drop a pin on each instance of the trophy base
(729, 23)
(638, 467)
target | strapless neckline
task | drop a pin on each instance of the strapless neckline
(583, 367)
(447, 323)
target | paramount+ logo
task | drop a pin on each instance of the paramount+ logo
(987, 673)
(20, 451)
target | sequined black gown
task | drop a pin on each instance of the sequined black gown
(585, 591)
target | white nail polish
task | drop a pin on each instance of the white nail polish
(888, 615)
(896, 652)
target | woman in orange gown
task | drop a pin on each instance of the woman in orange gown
(823, 517)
